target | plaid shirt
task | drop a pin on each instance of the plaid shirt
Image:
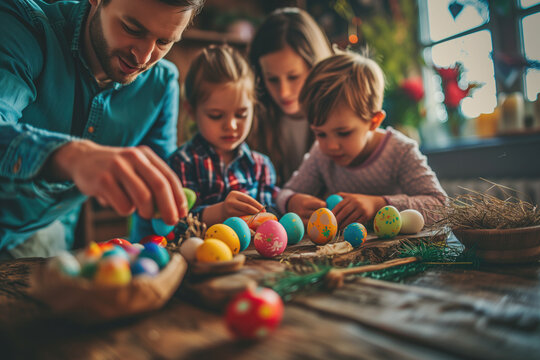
(200, 168)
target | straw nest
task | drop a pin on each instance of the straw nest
(483, 210)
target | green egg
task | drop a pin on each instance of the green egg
(191, 197)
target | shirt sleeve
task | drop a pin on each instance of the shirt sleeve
(267, 183)
(23, 148)
(421, 188)
(306, 180)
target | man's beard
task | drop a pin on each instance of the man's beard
(105, 56)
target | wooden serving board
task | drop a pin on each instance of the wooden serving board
(215, 290)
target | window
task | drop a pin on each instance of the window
(496, 43)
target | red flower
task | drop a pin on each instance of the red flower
(453, 94)
(414, 88)
(450, 74)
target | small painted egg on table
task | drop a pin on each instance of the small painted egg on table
(412, 221)
(241, 229)
(156, 239)
(160, 227)
(254, 221)
(254, 313)
(113, 271)
(157, 253)
(144, 266)
(332, 201)
(387, 222)
(322, 226)
(66, 264)
(226, 234)
(213, 250)
(188, 248)
(355, 234)
(270, 239)
(293, 226)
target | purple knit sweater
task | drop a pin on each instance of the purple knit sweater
(396, 170)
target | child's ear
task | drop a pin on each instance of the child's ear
(377, 120)
(189, 109)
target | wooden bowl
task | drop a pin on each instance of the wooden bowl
(503, 246)
(221, 267)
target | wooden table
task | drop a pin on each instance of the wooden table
(488, 313)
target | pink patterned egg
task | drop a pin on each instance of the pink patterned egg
(270, 239)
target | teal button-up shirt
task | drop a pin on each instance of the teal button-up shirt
(48, 97)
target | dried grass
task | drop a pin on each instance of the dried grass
(477, 210)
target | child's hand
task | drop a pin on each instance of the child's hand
(238, 204)
(304, 205)
(357, 208)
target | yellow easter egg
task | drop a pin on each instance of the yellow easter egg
(213, 250)
(387, 222)
(226, 234)
(113, 271)
(322, 226)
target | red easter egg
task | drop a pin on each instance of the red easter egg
(120, 242)
(156, 239)
(270, 239)
(254, 313)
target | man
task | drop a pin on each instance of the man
(81, 84)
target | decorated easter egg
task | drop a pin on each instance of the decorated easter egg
(254, 313)
(188, 249)
(213, 250)
(113, 271)
(387, 222)
(157, 253)
(226, 234)
(270, 239)
(355, 234)
(116, 251)
(191, 197)
(144, 266)
(322, 226)
(160, 227)
(254, 221)
(412, 221)
(332, 201)
(241, 229)
(66, 264)
(156, 239)
(293, 226)
(120, 242)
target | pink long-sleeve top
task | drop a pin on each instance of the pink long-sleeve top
(396, 170)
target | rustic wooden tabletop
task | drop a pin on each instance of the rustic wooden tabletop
(492, 312)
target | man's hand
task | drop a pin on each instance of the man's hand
(123, 178)
(235, 204)
(357, 208)
(304, 205)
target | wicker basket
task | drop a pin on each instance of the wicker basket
(504, 246)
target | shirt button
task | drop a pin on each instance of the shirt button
(91, 129)
(17, 165)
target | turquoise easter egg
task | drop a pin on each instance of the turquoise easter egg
(157, 253)
(332, 201)
(241, 229)
(293, 226)
(160, 228)
(355, 234)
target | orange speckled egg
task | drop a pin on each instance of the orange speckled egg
(254, 221)
(226, 234)
(213, 250)
(322, 226)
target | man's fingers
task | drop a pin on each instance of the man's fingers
(116, 197)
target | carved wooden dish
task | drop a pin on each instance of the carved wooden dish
(505, 246)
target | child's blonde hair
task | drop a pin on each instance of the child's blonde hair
(217, 64)
(348, 78)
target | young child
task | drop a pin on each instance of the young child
(228, 178)
(284, 49)
(369, 167)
